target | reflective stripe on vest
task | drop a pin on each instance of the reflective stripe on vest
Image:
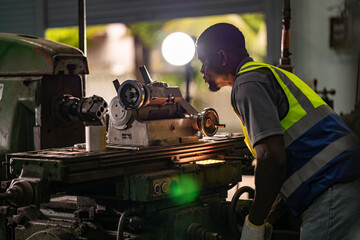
(316, 163)
(305, 114)
(305, 123)
(306, 109)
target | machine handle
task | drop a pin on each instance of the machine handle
(145, 74)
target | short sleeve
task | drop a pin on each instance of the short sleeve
(254, 99)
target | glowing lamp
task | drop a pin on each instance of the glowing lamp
(178, 48)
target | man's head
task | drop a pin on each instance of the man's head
(220, 48)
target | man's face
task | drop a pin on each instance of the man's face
(208, 68)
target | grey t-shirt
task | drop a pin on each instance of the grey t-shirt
(260, 102)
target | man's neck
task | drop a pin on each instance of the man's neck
(241, 63)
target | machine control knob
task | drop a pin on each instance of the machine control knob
(164, 187)
(157, 188)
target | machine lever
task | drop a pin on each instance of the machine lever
(145, 74)
(116, 84)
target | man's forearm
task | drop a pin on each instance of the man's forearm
(268, 181)
(269, 176)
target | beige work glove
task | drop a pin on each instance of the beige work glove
(253, 232)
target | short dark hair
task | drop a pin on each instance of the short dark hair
(223, 36)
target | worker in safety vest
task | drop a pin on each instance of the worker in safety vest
(305, 153)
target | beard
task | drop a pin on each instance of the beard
(213, 87)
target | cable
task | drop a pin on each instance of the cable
(236, 228)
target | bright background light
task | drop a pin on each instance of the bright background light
(178, 48)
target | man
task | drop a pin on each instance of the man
(304, 151)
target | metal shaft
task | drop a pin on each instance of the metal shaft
(82, 34)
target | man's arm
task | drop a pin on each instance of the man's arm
(269, 176)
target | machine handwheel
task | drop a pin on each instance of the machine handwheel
(118, 115)
(131, 94)
(209, 122)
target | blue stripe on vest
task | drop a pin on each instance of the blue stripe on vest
(343, 168)
(313, 141)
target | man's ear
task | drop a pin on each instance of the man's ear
(223, 57)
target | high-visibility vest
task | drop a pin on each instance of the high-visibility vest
(320, 148)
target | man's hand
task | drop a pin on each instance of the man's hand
(253, 232)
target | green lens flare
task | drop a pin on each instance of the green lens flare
(185, 190)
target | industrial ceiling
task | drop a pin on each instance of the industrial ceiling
(33, 17)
